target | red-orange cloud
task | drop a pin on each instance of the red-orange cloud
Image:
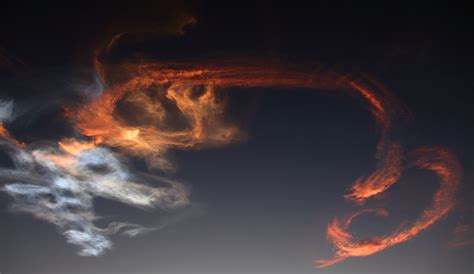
(187, 92)
(438, 160)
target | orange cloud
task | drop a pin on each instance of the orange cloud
(438, 160)
(176, 106)
(165, 94)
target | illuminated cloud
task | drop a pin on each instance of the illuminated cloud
(197, 108)
(176, 105)
(165, 91)
(438, 160)
(59, 184)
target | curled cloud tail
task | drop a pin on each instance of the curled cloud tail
(438, 160)
(389, 153)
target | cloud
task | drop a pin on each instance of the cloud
(59, 184)
(175, 105)
(438, 160)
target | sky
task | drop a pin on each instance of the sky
(187, 138)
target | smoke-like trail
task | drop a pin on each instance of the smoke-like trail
(187, 90)
(58, 184)
(174, 105)
(438, 160)
(189, 87)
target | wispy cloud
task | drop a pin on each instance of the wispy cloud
(59, 184)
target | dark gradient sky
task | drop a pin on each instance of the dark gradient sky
(261, 205)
